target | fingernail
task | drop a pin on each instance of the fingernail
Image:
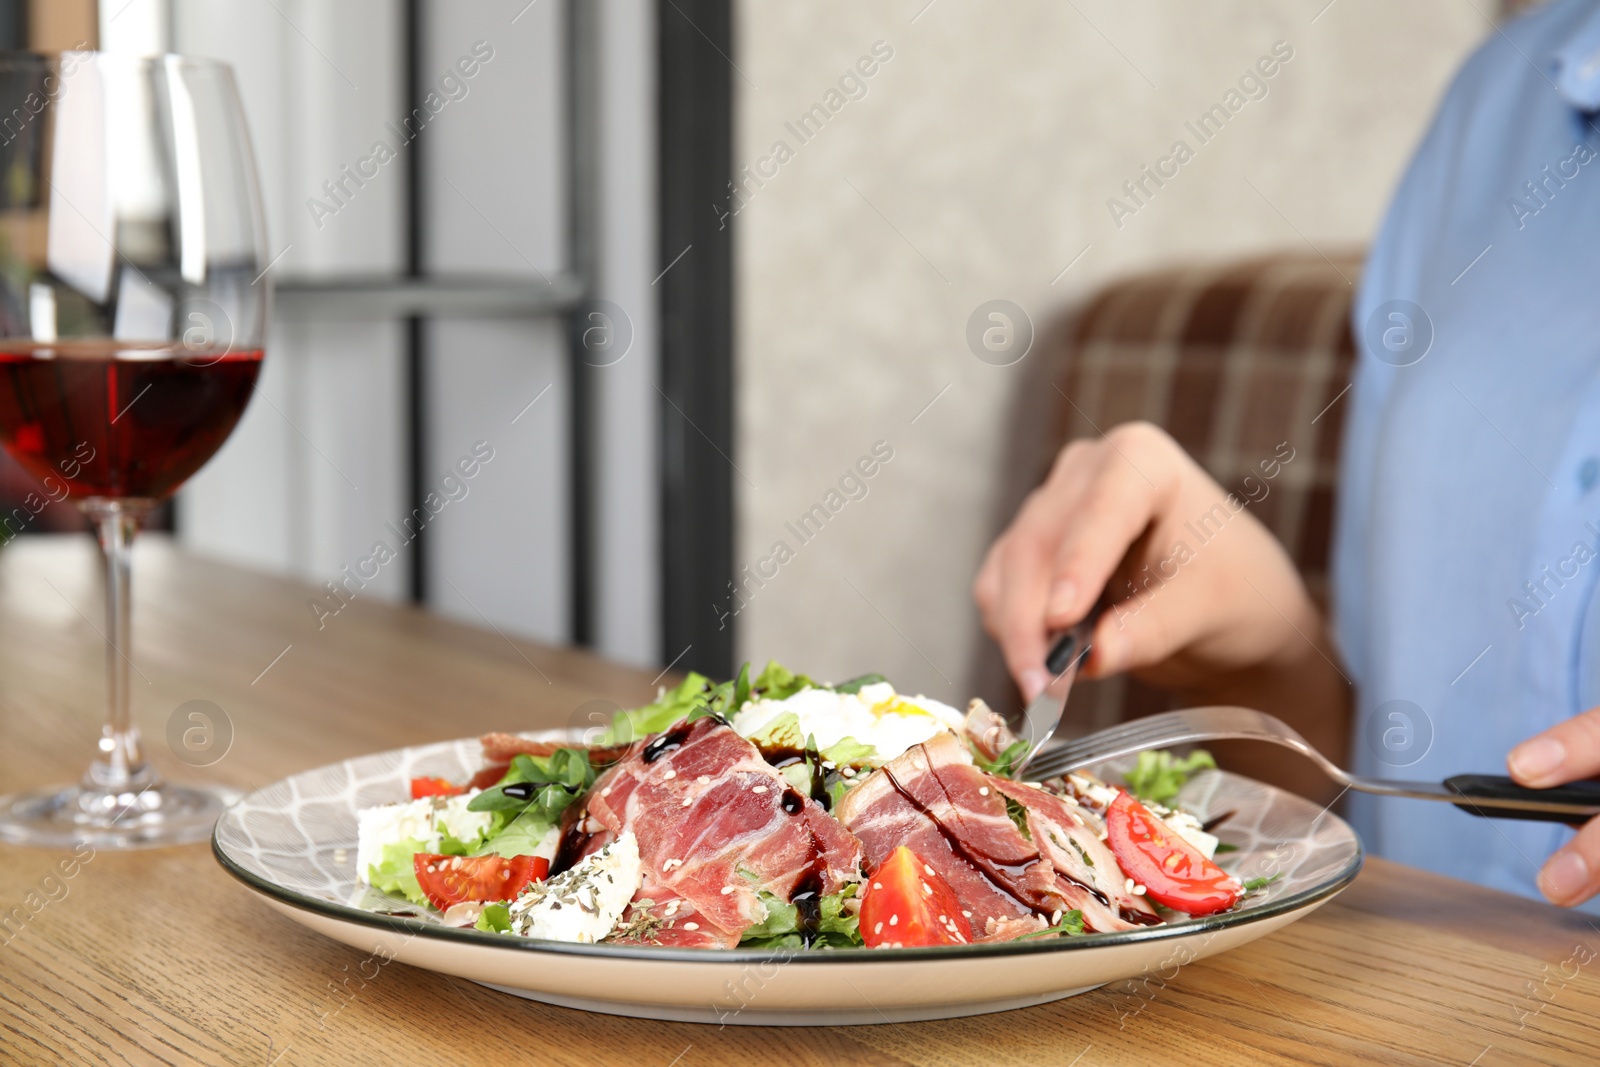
(1564, 877)
(1062, 596)
(1536, 760)
(1033, 681)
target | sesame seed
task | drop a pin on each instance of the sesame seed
(704, 779)
(878, 929)
(727, 889)
(1128, 884)
(606, 791)
(1055, 917)
(946, 920)
(1138, 890)
(967, 913)
(877, 885)
(894, 920)
(928, 869)
(670, 773)
(687, 801)
(691, 926)
(983, 791)
(927, 889)
(759, 789)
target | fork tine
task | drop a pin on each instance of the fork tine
(1155, 731)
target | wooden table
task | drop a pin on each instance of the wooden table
(160, 957)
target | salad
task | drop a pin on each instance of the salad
(776, 811)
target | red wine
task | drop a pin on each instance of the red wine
(111, 419)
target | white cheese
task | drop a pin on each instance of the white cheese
(1187, 827)
(876, 716)
(426, 820)
(582, 903)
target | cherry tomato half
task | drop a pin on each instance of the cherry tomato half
(447, 880)
(1172, 871)
(907, 905)
(434, 787)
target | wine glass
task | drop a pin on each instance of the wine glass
(133, 309)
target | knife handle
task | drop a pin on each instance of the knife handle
(1063, 652)
(1585, 793)
(1073, 644)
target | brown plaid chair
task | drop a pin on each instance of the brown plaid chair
(1231, 360)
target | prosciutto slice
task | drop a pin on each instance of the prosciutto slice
(955, 817)
(658, 916)
(932, 799)
(1069, 836)
(716, 824)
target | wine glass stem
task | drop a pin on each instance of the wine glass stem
(120, 766)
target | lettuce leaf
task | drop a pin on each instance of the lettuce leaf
(494, 919)
(521, 837)
(394, 872)
(696, 696)
(674, 704)
(836, 927)
(848, 752)
(1157, 777)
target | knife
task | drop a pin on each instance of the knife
(1042, 717)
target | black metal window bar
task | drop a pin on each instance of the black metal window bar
(695, 161)
(418, 295)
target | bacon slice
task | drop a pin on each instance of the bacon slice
(716, 824)
(955, 816)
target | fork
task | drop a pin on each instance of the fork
(1481, 794)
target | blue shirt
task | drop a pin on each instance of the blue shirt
(1467, 546)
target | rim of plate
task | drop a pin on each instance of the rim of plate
(483, 939)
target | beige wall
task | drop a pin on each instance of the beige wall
(977, 166)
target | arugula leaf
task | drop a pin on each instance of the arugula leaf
(1019, 816)
(1157, 777)
(494, 919)
(837, 927)
(741, 688)
(1071, 925)
(538, 788)
(1003, 765)
(855, 685)
(1223, 847)
(1255, 885)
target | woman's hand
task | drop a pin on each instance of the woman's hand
(1565, 753)
(1211, 591)
(1205, 602)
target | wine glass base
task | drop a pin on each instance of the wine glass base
(160, 814)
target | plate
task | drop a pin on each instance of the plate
(293, 843)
